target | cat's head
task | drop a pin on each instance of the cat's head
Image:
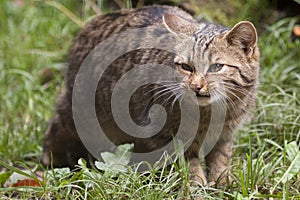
(223, 64)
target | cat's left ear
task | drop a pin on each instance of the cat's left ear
(177, 24)
(243, 35)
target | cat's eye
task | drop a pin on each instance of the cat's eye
(215, 67)
(187, 67)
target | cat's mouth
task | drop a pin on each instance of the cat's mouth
(203, 99)
(202, 95)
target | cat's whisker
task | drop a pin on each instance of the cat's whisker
(234, 106)
(170, 90)
(227, 102)
(229, 91)
(219, 98)
(230, 101)
(162, 86)
(236, 91)
(161, 82)
(236, 88)
(178, 96)
(165, 91)
(237, 97)
(216, 93)
(241, 91)
(172, 95)
(226, 99)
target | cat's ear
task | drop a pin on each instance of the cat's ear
(177, 24)
(243, 35)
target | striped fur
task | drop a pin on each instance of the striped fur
(219, 56)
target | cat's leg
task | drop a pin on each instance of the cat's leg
(62, 146)
(55, 144)
(218, 161)
(197, 174)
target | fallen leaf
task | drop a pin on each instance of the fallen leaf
(27, 182)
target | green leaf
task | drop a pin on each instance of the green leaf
(27, 173)
(115, 162)
(293, 154)
(82, 163)
(4, 177)
(58, 173)
(292, 150)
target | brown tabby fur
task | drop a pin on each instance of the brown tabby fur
(235, 48)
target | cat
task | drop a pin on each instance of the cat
(219, 56)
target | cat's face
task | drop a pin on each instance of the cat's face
(222, 65)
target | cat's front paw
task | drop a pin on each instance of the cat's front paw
(219, 179)
(197, 175)
(196, 179)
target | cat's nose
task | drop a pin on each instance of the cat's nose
(196, 87)
(200, 89)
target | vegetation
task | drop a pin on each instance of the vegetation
(34, 40)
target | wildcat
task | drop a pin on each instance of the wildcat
(218, 57)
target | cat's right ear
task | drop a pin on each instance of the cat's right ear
(244, 36)
(177, 24)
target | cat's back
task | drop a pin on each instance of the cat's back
(118, 21)
(102, 27)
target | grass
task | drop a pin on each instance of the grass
(36, 37)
